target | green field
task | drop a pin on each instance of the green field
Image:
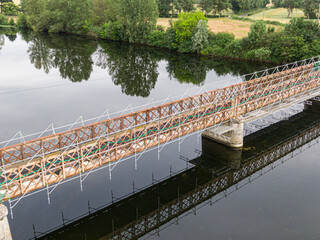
(278, 14)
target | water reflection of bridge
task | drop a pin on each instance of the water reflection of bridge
(183, 193)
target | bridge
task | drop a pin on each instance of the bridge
(47, 160)
(168, 200)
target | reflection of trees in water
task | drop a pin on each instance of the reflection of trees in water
(71, 55)
(9, 32)
(1, 41)
(186, 68)
(134, 68)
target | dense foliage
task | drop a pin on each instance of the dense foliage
(135, 21)
(9, 8)
(3, 19)
(47, 15)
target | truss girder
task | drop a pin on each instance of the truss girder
(38, 163)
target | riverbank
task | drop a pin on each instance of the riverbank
(192, 32)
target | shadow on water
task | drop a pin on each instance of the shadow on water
(151, 209)
(133, 67)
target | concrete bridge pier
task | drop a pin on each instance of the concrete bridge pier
(232, 139)
(5, 233)
(226, 148)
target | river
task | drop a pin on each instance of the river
(56, 79)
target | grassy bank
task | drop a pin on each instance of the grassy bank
(277, 14)
(238, 28)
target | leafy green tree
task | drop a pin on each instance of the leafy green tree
(310, 8)
(164, 7)
(246, 5)
(137, 17)
(308, 30)
(55, 16)
(206, 5)
(185, 28)
(187, 5)
(291, 4)
(277, 3)
(10, 8)
(258, 31)
(3, 19)
(200, 38)
(2, 2)
(221, 5)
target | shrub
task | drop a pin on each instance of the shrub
(9, 8)
(112, 31)
(223, 39)
(158, 38)
(185, 28)
(200, 38)
(234, 49)
(3, 19)
(309, 30)
(22, 21)
(258, 31)
(260, 54)
(11, 22)
(287, 49)
(171, 38)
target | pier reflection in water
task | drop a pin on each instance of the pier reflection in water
(218, 170)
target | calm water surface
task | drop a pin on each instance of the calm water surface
(55, 79)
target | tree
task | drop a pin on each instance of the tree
(200, 38)
(99, 9)
(55, 16)
(2, 2)
(3, 19)
(10, 8)
(308, 30)
(310, 8)
(206, 5)
(137, 17)
(221, 5)
(246, 5)
(291, 4)
(187, 5)
(258, 31)
(164, 7)
(185, 28)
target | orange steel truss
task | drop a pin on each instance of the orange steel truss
(40, 162)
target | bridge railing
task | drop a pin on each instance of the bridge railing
(41, 162)
(52, 143)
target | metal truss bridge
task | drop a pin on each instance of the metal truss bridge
(38, 163)
(210, 180)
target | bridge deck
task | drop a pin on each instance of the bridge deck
(51, 159)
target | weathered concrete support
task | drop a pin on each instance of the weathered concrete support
(233, 138)
(5, 233)
(314, 106)
(212, 150)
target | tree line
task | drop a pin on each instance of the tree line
(135, 21)
(172, 7)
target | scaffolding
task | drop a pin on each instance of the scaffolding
(52, 159)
